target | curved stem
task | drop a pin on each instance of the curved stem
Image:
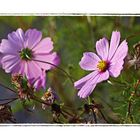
(12, 99)
(7, 88)
(56, 67)
(9, 101)
(33, 97)
(66, 112)
(131, 36)
(103, 116)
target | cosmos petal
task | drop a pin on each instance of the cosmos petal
(10, 62)
(115, 69)
(115, 40)
(89, 86)
(22, 67)
(117, 61)
(32, 70)
(86, 91)
(50, 58)
(33, 37)
(80, 83)
(103, 76)
(44, 46)
(20, 35)
(17, 38)
(7, 47)
(120, 53)
(41, 81)
(102, 48)
(89, 61)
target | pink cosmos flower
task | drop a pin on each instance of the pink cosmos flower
(19, 51)
(40, 82)
(108, 62)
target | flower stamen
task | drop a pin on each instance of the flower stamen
(102, 65)
(26, 54)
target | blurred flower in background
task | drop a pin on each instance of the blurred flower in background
(19, 51)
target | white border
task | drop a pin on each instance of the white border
(70, 6)
(69, 133)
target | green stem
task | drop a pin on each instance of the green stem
(89, 100)
(33, 97)
(57, 68)
(128, 113)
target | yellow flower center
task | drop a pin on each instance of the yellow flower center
(102, 65)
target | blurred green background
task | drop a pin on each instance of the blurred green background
(73, 35)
